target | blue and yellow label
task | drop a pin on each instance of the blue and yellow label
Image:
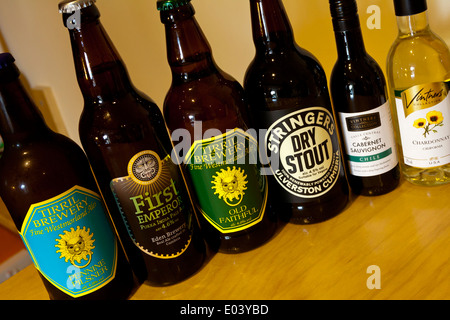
(71, 242)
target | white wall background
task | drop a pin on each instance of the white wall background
(34, 33)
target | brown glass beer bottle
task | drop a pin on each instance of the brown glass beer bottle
(288, 96)
(205, 109)
(127, 143)
(51, 194)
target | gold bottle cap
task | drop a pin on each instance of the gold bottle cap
(72, 6)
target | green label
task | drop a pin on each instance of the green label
(225, 172)
(71, 241)
(1, 146)
(157, 214)
(370, 158)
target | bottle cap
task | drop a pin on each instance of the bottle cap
(165, 5)
(72, 6)
(344, 14)
(8, 70)
(342, 9)
(409, 7)
(6, 59)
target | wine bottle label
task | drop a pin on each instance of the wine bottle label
(230, 189)
(157, 214)
(304, 152)
(369, 141)
(423, 113)
(71, 241)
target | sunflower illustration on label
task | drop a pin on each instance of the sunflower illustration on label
(230, 185)
(156, 212)
(425, 135)
(231, 193)
(76, 246)
(78, 263)
(433, 120)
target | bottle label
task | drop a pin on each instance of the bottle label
(369, 141)
(153, 206)
(423, 114)
(1, 146)
(71, 241)
(304, 152)
(225, 172)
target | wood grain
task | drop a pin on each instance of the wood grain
(405, 233)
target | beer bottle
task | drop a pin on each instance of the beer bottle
(205, 109)
(127, 143)
(51, 194)
(288, 96)
(360, 98)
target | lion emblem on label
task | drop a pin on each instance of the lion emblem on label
(75, 246)
(230, 185)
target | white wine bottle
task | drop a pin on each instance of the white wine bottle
(418, 71)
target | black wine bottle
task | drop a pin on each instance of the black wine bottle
(360, 98)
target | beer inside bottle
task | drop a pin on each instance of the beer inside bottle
(48, 188)
(288, 96)
(205, 112)
(126, 141)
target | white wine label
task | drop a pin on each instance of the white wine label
(423, 116)
(306, 147)
(369, 141)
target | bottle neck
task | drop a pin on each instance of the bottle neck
(413, 24)
(101, 73)
(188, 51)
(271, 27)
(347, 29)
(19, 116)
(349, 41)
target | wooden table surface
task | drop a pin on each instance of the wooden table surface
(405, 234)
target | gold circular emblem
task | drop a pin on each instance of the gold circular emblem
(145, 167)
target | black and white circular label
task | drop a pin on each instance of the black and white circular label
(303, 149)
